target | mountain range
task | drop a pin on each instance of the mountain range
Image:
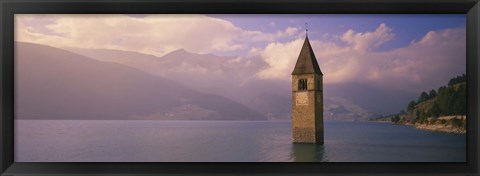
(114, 84)
(52, 83)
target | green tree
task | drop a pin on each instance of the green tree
(460, 106)
(435, 110)
(417, 116)
(396, 119)
(458, 79)
(421, 117)
(441, 90)
(411, 106)
(432, 94)
(423, 97)
(450, 101)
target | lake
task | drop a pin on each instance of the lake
(227, 141)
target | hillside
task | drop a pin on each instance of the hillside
(444, 109)
(52, 83)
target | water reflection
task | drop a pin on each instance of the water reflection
(308, 153)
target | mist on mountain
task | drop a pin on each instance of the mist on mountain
(52, 83)
(235, 78)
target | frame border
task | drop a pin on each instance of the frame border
(10, 7)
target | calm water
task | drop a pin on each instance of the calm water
(159, 141)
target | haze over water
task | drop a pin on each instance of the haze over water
(227, 141)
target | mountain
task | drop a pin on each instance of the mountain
(230, 77)
(52, 83)
(235, 78)
(341, 109)
(372, 99)
(182, 64)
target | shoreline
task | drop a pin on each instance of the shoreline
(432, 128)
(445, 124)
(439, 128)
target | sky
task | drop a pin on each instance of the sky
(391, 51)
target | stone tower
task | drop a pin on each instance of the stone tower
(307, 98)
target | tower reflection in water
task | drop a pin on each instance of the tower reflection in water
(308, 153)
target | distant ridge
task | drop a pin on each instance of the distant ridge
(52, 83)
(234, 78)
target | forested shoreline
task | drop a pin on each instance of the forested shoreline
(442, 110)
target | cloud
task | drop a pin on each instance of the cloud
(279, 58)
(348, 57)
(424, 64)
(150, 34)
(368, 40)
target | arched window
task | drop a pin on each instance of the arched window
(302, 84)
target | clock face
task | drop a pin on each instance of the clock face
(302, 98)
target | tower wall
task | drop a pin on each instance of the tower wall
(307, 109)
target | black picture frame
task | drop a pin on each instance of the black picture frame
(471, 8)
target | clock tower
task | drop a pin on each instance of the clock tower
(307, 98)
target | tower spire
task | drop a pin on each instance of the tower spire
(306, 62)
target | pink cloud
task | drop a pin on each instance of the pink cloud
(151, 34)
(349, 57)
(368, 40)
(424, 64)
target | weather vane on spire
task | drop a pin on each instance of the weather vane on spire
(306, 27)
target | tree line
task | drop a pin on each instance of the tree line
(447, 100)
(458, 79)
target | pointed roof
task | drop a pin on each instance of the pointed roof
(306, 63)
